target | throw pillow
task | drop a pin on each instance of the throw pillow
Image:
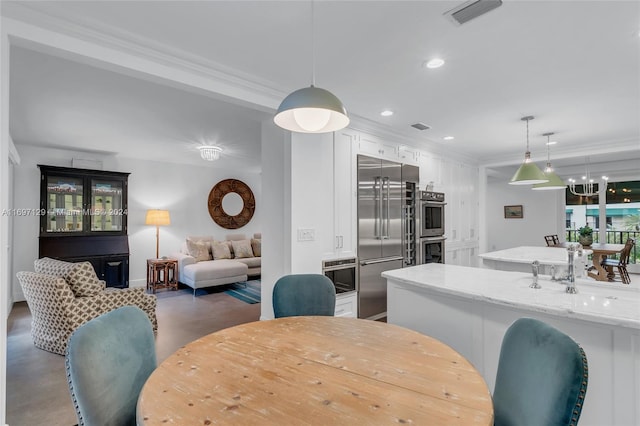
(242, 248)
(199, 250)
(256, 245)
(221, 250)
(83, 280)
(49, 266)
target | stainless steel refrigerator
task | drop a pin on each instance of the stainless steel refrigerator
(381, 229)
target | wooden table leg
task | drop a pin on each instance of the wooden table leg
(601, 275)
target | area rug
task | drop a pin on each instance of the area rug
(248, 292)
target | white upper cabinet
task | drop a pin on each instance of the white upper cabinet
(376, 147)
(343, 243)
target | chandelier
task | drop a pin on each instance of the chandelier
(210, 153)
(588, 188)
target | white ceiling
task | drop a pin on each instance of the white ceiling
(574, 65)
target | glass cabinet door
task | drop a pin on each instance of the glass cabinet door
(64, 204)
(106, 205)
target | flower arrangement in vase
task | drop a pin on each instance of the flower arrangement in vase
(585, 236)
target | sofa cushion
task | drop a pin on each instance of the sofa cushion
(242, 248)
(198, 250)
(215, 269)
(83, 280)
(251, 262)
(55, 267)
(256, 246)
(221, 250)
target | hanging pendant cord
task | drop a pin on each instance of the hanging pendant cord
(313, 50)
(527, 135)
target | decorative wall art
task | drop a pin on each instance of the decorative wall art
(216, 211)
(513, 212)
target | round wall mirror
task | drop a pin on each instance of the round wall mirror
(232, 204)
(237, 210)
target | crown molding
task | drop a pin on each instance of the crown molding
(96, 32)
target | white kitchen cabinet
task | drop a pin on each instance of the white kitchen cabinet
(430, 170)
(347, 305)
(340, 229)
(376, 147)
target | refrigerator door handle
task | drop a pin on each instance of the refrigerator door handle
(388, 218)
(385, 259)
(377, 206)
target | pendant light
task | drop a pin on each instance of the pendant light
(528, 173)
(311, 109)
(554, 180)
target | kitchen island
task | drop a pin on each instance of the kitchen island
(471, 308)
(520, 258)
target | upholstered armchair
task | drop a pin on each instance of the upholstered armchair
(62, 296)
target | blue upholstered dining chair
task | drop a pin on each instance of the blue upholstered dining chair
(542, 376)
(304, 294)
(108, 360)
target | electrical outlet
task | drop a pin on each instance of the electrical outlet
(306, 234)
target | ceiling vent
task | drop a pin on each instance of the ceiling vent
(471, 9)
(420, 126)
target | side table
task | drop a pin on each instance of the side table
(162, 273)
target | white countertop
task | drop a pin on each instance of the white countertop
(600, 302)
(527, 254)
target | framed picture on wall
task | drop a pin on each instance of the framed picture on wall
(513, 212)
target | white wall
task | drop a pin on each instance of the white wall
(543, 214)
(181, 189)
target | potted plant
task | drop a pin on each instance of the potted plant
(585, 236)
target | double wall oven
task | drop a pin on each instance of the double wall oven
(431, 242)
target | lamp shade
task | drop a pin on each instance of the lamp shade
(311, 110)
(528, 174)
(157, 217)
(555, 182)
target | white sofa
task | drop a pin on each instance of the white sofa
(208, 273)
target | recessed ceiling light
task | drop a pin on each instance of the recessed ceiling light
(434, 63)
(386, 113)
(448, 138)
(551, 143)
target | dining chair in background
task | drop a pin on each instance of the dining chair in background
(620, 264)
(108, 360)
(304, 294)
(542, 376)
(552, 240)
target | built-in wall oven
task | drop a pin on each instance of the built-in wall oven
(432, 239)
(431, 214)
(342, 272)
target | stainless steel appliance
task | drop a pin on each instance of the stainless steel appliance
(432, 239)
(431, 214)
(383, 241)
(343, 273)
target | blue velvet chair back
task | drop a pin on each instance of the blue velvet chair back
(108, 360)
(542, 376)
(304, 294)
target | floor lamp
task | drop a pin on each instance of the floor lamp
(158, 218)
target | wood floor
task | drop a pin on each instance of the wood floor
(37, 390)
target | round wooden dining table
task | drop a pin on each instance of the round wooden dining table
(315, 371)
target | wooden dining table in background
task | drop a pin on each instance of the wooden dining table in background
(316, 371)
(600, 250)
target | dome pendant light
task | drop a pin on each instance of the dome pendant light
(311, 109)
(528, 173)
(554, 180)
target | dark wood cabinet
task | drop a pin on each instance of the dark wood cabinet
(83, 217)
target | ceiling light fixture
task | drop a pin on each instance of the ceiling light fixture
(210, 153)
(528, 173)
(386, 113)
(588, 189)
(554, 180)
(312, 109)
(434, 63)
(448, 138)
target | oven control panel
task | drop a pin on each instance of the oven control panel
(432, 196)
